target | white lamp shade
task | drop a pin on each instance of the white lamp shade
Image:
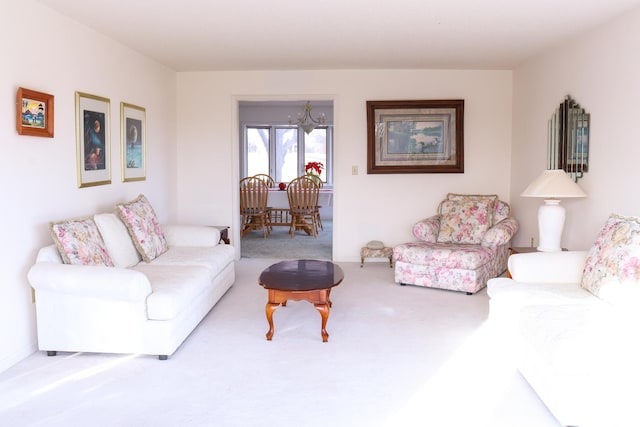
(553, 184)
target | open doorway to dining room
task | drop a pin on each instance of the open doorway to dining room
(275, 139)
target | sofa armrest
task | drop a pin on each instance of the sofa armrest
(500, 233)
(191, 235)
(94, 281)
(427, 229)
(548, 267)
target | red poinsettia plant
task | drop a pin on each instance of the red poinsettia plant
(314, 166)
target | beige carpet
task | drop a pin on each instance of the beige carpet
(396, 356)
(279, 244)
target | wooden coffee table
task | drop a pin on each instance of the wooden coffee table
(308, 280)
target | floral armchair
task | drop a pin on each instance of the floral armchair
(461, 247)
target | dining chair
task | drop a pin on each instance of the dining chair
(253, 206)
(303, 193)
(271, 183)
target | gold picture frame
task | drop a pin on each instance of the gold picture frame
(93, 140)
(34, 113)
(133, 143)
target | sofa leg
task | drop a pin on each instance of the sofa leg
(163, 357)
(51, 353)
(469, 293)
(403, 284)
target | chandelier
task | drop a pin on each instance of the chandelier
(305, 121)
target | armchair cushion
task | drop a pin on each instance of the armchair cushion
(465, 220)
(612, 269)
(443, 255)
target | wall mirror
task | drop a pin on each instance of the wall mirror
(568, 139)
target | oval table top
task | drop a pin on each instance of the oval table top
(301, 275)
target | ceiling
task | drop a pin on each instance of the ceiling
(205, 35)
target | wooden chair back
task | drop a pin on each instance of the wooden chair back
(303, 193)
(268, 180)
(253, 196)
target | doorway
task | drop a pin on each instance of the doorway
(270, 141)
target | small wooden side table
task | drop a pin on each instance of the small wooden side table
(224, 233)
(519, 250)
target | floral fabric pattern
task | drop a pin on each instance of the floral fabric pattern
(453, 265)
(427, 229)
(465, 221)
(614, 259)
(144, 228)
(500, 233)
(80, 243)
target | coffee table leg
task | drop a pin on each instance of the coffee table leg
(269, 309)
(324, 312)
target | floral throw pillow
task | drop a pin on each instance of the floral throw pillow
(79, 242)
(612, 268)
(464, 221)
(143, 227)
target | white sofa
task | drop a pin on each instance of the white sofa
(575, 343)
(133, 306)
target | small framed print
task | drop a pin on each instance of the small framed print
(93, 146)
(415, 136)
(34, 113)
(133, 142)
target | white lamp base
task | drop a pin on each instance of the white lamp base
(551, 217)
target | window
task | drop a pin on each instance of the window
(283, 151)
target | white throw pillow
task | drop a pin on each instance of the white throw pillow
(117, 240)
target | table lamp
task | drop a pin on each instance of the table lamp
(552, 185)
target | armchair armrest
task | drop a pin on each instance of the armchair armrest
(500, 233)
(191, 235)
(548, 267)
(84, 280)
(427, 229)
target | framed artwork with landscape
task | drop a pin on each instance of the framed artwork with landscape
(133, 142)
(415, 136)
(93, 140)
(34, 113)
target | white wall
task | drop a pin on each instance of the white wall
(44, 51)
(366, 207)
(600, 71)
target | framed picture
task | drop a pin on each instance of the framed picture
(34, 113)
(415, 136)
(93, 146)
(133, 142)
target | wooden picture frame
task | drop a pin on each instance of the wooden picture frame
(415, 136)
(133, 142)
(34, 113)
(93, 140)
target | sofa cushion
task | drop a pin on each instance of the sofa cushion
(465, 221)
(175, 287)
(612, 268)
(144, 227)
(117, 240)
(79, 242)
(213, 258)
(439, 255)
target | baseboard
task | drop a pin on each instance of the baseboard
(8, 360)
